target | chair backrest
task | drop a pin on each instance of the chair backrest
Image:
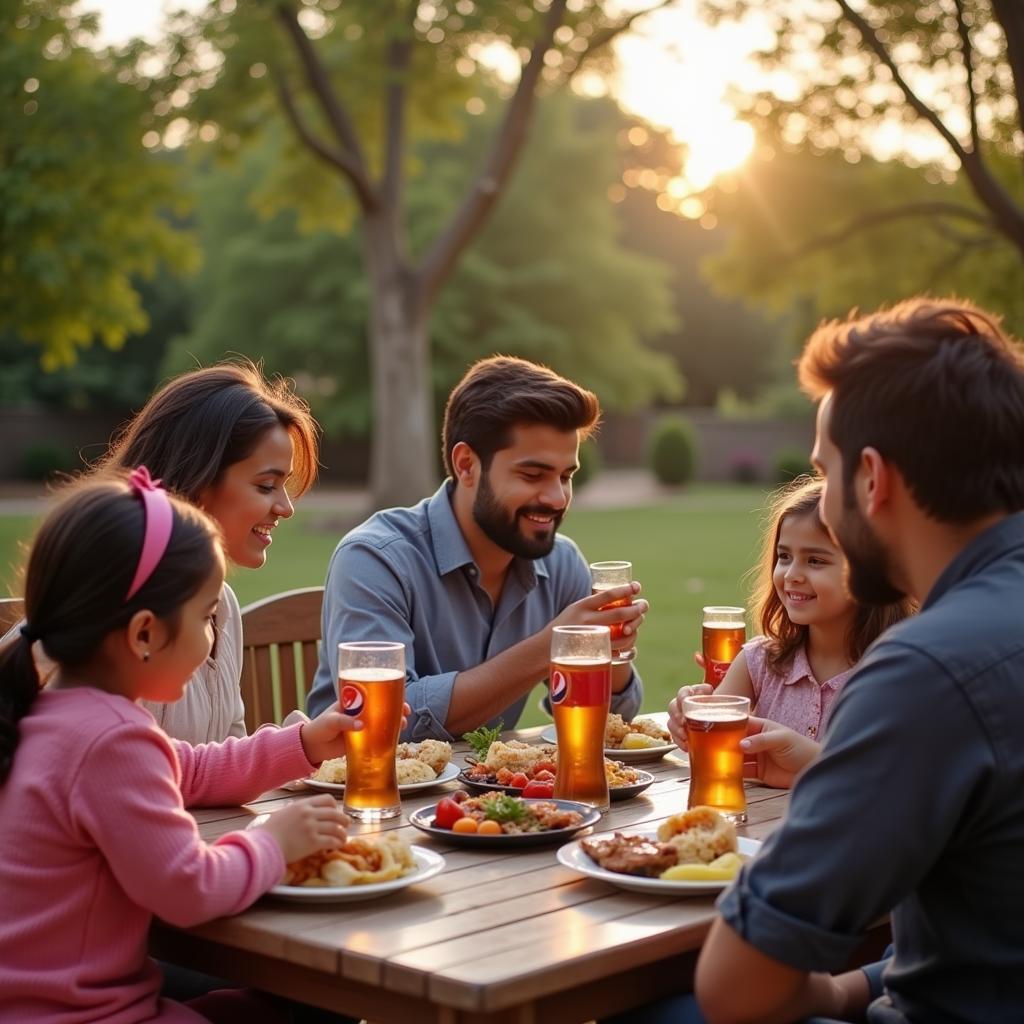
(279, 653)
(12, 611)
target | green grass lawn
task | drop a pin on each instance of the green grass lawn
(692, 551)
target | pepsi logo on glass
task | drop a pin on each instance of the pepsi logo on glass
(352, 700)
(559, 687)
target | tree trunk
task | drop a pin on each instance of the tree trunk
(403, 458)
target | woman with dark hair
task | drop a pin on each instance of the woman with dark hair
(242, 448)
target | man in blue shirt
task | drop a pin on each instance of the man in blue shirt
(473, 578)
(916, 804)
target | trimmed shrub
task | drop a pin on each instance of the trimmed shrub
(673, 450)
(791, 463)
(591, 464)
(44, 460)
(744, 467)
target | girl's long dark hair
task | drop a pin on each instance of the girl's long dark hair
(801, 498)
(79, 569)
(202, 422)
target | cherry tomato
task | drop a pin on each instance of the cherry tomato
(543, 776)
(465, 826)
(519, 780)
(543, 790)
(489, 828)
(447, 813)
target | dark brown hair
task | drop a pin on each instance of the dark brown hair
(801, 498)
(199, 424)
(79, 569)
(501, 392)
(938, 389)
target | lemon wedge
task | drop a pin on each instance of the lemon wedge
(639, 741)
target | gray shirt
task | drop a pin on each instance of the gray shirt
(916, 806)
(407, 574)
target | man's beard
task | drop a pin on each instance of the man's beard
(868, 572)
(503, 529)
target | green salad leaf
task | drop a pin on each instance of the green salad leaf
(503, 807)
(481, 739)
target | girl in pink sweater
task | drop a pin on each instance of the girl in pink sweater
(121, 588)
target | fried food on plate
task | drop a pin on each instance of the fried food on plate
(699, 835)
(361, 861)
(618, 729)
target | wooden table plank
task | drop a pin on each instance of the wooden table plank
(501, 936)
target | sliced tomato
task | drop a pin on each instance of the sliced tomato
(544, 776)
(447, 813)
(542, 790)
(519, 780)
(544, 766)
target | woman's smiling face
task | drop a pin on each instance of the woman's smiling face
(250, 498)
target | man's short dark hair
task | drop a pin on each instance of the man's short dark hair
(502, 392)
(937, 387)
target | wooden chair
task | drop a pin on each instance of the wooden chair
(12, 611)
(280, 634)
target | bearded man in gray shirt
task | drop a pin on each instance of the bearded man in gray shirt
(473, 578)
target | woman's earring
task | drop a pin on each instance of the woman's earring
(145, 655)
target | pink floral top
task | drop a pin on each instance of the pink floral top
(793, 698)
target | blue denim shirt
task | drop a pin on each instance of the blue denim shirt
(916, 806)
(407, 574)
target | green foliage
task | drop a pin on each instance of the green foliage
(591, 464)
(808, 240)
(790, 463)
(549, 278)
(44, 460)
(673, 450)
(80, 196)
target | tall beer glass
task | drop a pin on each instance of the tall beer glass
(371, 686)
(723, 634)
(581, 692)
(715, 723)
(605, 576)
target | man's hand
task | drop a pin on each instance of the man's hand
(587, 612)
(779, 754)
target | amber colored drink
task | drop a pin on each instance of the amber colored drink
(721, 642)
(713, 736)
(374, 695)
(615, 627)
(581, 691)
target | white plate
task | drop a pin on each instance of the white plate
(572, 856)
(625, 756)
(448, 772)
(428, 864)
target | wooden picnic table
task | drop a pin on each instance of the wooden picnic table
(499, 936)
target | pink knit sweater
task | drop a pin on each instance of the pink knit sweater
(95, 839)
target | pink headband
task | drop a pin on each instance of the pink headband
(159, 520)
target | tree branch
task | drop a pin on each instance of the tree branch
(870, 36)
(338, 160)
(972, 96)
(877, 218)
(1008, 217)
(485, 191)
(1010, 15)
(399, 52)
(337, 116)
(603, 39)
